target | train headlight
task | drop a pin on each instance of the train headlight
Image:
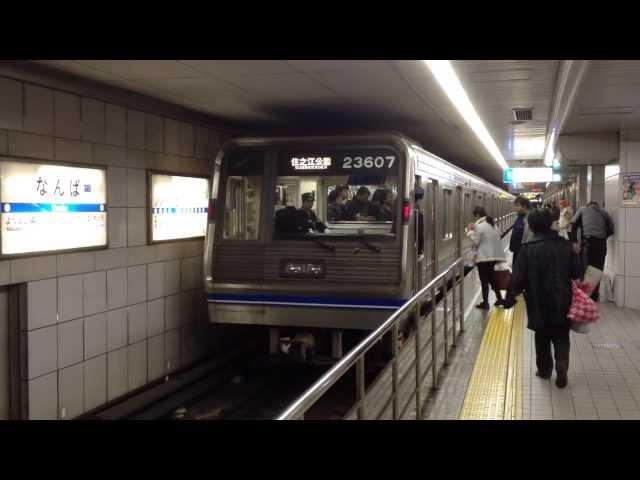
(303, 269)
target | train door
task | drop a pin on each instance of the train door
(4, 354)
(420, 264)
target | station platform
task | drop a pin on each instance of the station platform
(492, 374)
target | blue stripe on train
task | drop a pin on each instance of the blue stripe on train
(305, 301)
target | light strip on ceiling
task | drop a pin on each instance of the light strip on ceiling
(446, 76)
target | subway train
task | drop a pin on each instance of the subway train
(349, 274)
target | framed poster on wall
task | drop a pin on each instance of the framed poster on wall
(178, 206)
(51, 208)
(630, 188)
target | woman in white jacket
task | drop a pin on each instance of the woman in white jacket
(489, 251)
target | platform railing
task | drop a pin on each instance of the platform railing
(451, 279)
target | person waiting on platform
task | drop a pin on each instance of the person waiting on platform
(520, 228)
(489, 250)
(545, 267)
(359, 208)
(336, 210)
(564, 223)
(307, 219)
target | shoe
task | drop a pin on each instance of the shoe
(545, 376)
(498, 303)
(561, 379)
(483, 306)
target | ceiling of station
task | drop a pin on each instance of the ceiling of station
(608, 99)
(314, 96)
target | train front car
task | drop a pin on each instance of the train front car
(309, 235)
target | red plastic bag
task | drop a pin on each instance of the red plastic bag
(583, 308)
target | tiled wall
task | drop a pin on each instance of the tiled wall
(102, 323)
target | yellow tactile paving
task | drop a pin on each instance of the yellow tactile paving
(495, 388)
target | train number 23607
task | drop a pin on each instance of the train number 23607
(368, 162)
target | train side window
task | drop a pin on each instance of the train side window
(243, 196)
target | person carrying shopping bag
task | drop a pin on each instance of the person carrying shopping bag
(489, 251)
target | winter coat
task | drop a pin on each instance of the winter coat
(486, 241)
(517, 233)
(543, 271)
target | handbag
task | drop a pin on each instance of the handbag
(580, 327)
(502, 275)
(583, 308)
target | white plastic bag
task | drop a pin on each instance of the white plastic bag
(580, 327)
(470, 259)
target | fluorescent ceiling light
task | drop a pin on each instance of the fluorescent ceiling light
(528, 147)
(446, 76)
(549, 154)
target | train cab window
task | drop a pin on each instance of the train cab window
(243, 194)
(336, 193)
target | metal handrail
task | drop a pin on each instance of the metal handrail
(355, 356)
(313, 393)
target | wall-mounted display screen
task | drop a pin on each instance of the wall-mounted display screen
(51, 207)
(178, 207)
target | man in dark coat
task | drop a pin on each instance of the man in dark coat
(545, 267)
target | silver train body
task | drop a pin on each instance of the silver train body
(359, 286)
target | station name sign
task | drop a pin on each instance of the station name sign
(311, 163)
(527, 175)
(179, 206)
(51, 207)
(367, 161)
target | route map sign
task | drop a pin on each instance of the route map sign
(179, 206)
(51, 207)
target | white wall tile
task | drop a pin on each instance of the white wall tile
(111, 258)
(155, 317)
(137, 188)
(42, 303)
(116, 288)
(95, 292)
(117, 225)
(155, 357)
(172, 350)
(187, 306)
(620, 224)
(137, 362)
(109, 155)
(137, 322)
(95, 382)
(117, 187)
(141, 255)
(186, 139)
(11, 99)
(632, 233)
(136, 129)
(632, 292)
(632, 259)
(71, 392)
(155, 133)
(5, 272)
(93, 120)
(4, 142)
(172, 277)
(42, 351)
(618, 290)
(35, 268)
(117, 383)
(115, 125)
(95, 335)
(620, 256)
(169, 251)
(171, 136)
(140, 159)
(67, 115)
(70, 298)
(38, 109)
(136, 284)
(188, 274)
(74, 263)
(172, 313)
(155, 280)
(43, 397)
(30, 145)
(70, 343)
(137, 227)
(117, 329)
(75, 151)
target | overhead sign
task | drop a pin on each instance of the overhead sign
(51, 207)
(365, 161)
(179, 207)
(532, 175)
(507, 175)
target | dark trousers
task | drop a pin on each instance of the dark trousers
(595, 252)
(560, 339)
(485, 270)
(515, 256)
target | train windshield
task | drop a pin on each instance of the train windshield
(337, 192)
